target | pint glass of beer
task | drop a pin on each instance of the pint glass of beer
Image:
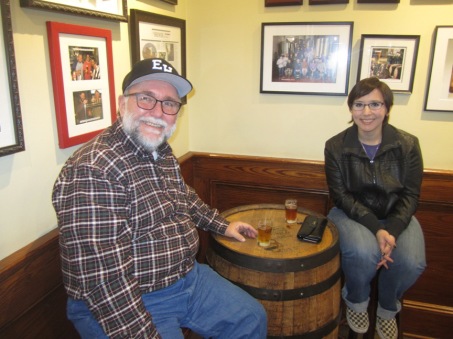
(264, 232)
(291, 210)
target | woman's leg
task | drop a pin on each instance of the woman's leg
(409, 263)
(359, 256)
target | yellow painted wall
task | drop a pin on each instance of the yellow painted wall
(226, 113)
(229, 115)
(26, 178)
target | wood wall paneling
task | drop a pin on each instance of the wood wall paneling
(32, 296)
(227, 181)
(33, 300)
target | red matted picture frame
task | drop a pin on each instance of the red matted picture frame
(275, 3)
(328, 2)
(81, 64)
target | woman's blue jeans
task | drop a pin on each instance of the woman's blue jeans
(360, 254)
(202, 301)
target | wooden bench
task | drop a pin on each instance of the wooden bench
(32, 296)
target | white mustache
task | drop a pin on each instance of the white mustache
(154, 121)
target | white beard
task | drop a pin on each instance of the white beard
(131, 128)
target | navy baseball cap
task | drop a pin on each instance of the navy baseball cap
(157, 69)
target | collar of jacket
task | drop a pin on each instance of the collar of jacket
(352, 144)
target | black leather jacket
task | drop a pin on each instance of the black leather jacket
(386, 189)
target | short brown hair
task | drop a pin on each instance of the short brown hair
(366, 86)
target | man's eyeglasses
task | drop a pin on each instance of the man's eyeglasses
(146, 101)
(374, 106)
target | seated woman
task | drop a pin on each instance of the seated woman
(374, 173)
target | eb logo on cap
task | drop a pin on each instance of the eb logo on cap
(158, 65)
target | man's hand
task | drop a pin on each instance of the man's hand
(237, 230)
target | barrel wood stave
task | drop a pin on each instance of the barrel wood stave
(297, 283)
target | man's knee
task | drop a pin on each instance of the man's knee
(258, 316)
(249, 322)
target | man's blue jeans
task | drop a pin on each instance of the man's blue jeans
(202, 301)
(360, 254)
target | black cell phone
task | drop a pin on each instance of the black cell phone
(312, 229)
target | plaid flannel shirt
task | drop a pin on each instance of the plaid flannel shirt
(127, 227)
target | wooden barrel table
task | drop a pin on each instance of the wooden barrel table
(298, 283)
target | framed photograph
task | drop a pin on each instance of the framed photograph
(391, 58)
(305, 57)
(328, 2)
(275, 3)
(105, 9)
(439, 96)
(154, 35)
(11, 131)
(378, 1)
(83, 82)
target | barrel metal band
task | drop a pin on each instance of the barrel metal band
(321, 332)
(291, 294)
(275, 265)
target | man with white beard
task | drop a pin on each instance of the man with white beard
(128, 236)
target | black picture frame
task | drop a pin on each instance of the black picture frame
(378, 1)
(323, 50)
(156, 35)
(11, 129)
(391, 58)
(328, 2)
(278, 3)
(439, 92)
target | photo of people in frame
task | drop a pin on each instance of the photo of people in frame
(87, 106)
(305, 58)
(387, 63)
(84, 63)
(165, 51)
(149, 51)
